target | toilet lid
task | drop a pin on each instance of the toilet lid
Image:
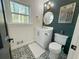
(55, 46)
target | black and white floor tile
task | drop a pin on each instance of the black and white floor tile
(25, 53)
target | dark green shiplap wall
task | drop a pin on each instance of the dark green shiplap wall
(67, 28)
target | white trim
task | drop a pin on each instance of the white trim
(30, 21)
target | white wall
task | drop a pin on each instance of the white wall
(25, 32)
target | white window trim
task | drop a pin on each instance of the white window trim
(30, 20)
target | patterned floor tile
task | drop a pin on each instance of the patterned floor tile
(24, 52)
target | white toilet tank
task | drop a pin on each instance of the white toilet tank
(61, 39)
(44, 36)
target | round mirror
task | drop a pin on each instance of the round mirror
(48, 18)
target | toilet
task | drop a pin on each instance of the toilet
(55, 47)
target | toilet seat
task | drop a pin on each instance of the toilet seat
(55, 47)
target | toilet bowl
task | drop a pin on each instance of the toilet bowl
(55, 47)
(55, 50)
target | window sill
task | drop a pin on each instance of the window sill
(19, 24)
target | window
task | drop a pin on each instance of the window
(20, 13)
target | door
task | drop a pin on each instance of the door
(4, 44)
(74, 48)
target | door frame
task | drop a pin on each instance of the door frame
(6, 28)
(75, 41)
